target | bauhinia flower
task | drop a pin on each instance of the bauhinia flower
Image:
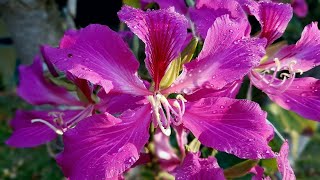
(36, 127)
(103, 146)
(276, 74)
(32, 128)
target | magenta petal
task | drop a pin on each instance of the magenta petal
(168, 160)
(114, 103)
(28, 134)
(208, 10)
(234, 126)
(179, 5)
(230, 90)
(163, 32)
(302, 97)
(300, 7)
(284, 164)
(274, 18)
(194, 167)
(36, 90)
(103, 146)
(227, 56)
(305, 52)
(100, 56)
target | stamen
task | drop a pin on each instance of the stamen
(83, 114)
(272, 82)
(163, 111)
(58, 131)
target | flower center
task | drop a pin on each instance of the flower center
(167, 111)
(59, 125)
(273, 81)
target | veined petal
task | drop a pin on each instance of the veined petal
(227, 56)
(114, 103)
(163, 32)
(234, 126)
(207, 11)
(306, 52)
(302, 97)
(230, 90)
(284, 164)
(99, 55)
(36, 90)
(194, 167)
(273, 18)
(103, 146)
(28, 134)
(179, 5)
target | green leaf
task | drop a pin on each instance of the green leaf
(290, 121)
(270, 166)
(240, 169)
(132, 3)
(194, 146)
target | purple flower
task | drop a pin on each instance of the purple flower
(194, 167)
(300, 95)
(33, 128)
(284, 166)
(103, 146)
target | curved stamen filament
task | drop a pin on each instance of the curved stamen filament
(163, 111)
(273, 81)
(58, 131)
(83, 114)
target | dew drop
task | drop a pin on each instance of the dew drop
(222, 107)
(287, 100)
(303, 94)
(70, 55)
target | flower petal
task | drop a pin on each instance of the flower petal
(284, 164)
(28, 134)
(227, 56)
(168, 160)
(230, 90)
(300, 7)
(302, 97)
(36, 90)
(100, 56)
(114, 103)
(207, 11)
(194, 167)
(273, 18)
(305, 52)
(103, 146)
(179, 5)
(234, 126)
(163, 32)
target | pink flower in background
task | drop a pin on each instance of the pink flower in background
(103, 146)
(276, 74)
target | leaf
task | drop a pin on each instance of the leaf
(194, 145)
(290, 121)
(133, 3)
(270, 166)
(240, 169)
